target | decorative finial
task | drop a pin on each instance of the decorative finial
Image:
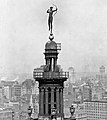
(51, 37)
(50, 18)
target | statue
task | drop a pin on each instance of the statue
(50, 19)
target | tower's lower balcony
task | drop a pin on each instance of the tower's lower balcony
(50, 74)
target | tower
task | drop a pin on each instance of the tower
(71, 75)
(51, 82)
(51, 79)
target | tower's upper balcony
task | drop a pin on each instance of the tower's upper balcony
(50, 75)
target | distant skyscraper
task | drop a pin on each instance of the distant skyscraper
(102, 69)
(102, 76)
(71, 75)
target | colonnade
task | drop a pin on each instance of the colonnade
(50, 97)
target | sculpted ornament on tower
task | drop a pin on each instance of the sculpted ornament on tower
(50, 11)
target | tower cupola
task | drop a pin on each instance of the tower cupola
(51, 55)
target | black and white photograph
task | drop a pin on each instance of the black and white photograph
(53, 59)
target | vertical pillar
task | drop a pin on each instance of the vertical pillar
(57, 99)
(42, 104)
(52, 97)
(61, 101)
(46, 100)
(39, 100)
(61, 95)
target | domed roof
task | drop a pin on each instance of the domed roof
(51, 45)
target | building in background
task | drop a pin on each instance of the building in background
(98, 91)
(6, 114)
(1, 94)
(104, 95)
(71, 75)
(7, 91)
(102, 76)
(9, 83)
(27, 86)
(80, 113)
(96, 110)
(86, 91)
(35, 89)
(77, 94)
(16, 92)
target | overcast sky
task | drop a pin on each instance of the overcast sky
(80, 26)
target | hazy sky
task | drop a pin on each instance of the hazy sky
(80, 26)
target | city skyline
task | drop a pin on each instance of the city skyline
(80, 26)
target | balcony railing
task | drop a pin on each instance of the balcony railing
(50, 74)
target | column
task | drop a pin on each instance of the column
(39, 100)
(46, 100)
(61, 100)
(42, 105)
(57, 99)
(52, 97)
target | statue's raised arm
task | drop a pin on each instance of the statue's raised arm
(50, 18)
